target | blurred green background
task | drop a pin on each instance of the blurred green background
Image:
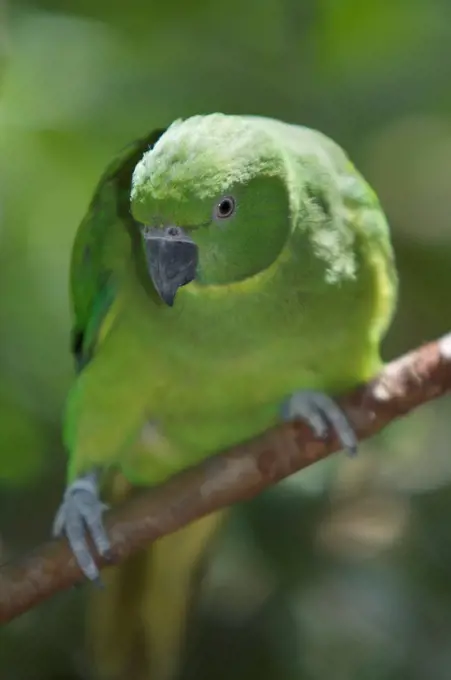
(343, 571)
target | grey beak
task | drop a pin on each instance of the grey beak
(171, 260)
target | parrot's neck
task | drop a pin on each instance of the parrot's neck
(279, 312)
(252, 286)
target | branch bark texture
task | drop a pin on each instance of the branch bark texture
(230, 477)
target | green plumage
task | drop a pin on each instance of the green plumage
(293, 291)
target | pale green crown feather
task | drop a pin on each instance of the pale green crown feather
(205, 155)
(211, 152)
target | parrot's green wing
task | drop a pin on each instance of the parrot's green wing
(95, 253)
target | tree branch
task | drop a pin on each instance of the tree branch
(227, 478)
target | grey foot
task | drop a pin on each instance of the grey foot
(321, 413)
(81, 511)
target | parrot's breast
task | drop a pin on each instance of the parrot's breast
(210, 374)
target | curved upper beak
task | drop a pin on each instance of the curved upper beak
(172, 258)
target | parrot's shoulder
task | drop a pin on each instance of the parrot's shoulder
(99, 246)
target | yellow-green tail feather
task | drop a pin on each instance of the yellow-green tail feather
(136, 624)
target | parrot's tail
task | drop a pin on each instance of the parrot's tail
(136, 624)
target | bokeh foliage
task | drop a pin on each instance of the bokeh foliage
(341, 572)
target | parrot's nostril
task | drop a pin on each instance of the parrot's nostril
(173, 231)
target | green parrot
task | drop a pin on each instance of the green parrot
(231, 272)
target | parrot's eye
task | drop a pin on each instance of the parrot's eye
(225, 208)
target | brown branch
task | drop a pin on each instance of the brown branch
(227, 478)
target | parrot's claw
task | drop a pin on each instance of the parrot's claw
(321, 413)
(81, 511)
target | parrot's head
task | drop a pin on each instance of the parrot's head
(211, 201)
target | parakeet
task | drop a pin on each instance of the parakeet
(231, 272)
